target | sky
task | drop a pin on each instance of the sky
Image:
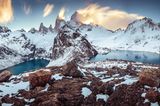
(26, 14)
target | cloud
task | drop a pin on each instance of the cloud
(6, 11)
(105, 16)
(61, 14)
(48, 9)
(27, 9)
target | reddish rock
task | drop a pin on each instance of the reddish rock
(98, 87)
(152, 95)
(31, 93)
(71, 69)
(5, 75)
(126, 95)
(13, 100)
(39, 78)
(65, 92)
(46, 99)
(149, 77)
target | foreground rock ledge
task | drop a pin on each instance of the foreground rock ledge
(75, 85)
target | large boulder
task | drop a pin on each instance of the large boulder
(5, 75)
(150, 77)
(71, 69)
(39, 78)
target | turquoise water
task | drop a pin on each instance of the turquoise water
(145, 57)
(28, 66)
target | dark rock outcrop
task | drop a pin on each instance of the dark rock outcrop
(58, 24)
(4, 50)
(4, 29)
(51, 28)
(32, 30)
(71, 69)
(126, 95)
(43, 29)
(72, 44)
(13, 100)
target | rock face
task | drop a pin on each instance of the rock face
(6, 51)
(58, 24)
(32, 30)
(51, 28)
(5, 75)
(40, 78)
(72, 45)
(43, 29)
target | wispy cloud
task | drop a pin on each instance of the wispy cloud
(105, 16)
(27, 9)
(48, 9)
(6, 11)
(61, 14)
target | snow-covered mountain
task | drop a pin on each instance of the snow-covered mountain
(19, 46)
(141, 35)
(70, 45)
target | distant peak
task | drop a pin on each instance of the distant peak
(51, 28)
(4, 29)
(143, 23)
(42, 28)
(59, 23)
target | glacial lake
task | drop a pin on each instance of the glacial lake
(144, 57)
(28, 66)
(136, 56)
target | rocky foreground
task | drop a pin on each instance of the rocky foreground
(88, 84)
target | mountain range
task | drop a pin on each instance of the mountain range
(18, 46)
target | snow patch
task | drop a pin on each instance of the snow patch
(102, 96)
(86, 92)
(11, 88)
(57, 76)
